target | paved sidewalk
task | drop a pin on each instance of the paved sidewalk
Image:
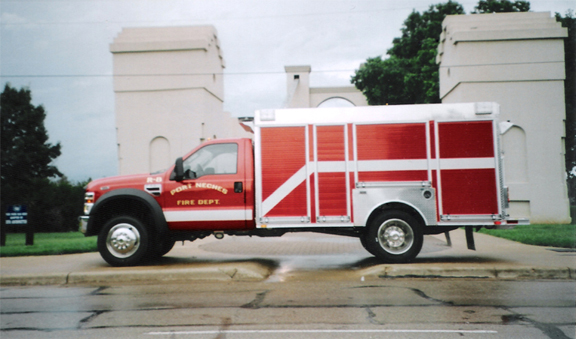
(299, 256)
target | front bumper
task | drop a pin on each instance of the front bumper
(83, 223)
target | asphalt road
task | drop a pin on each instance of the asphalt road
(310, 308)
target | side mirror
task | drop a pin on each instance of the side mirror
(178, 174)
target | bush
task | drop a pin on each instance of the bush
(54, 206)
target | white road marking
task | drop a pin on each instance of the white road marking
(318, 331)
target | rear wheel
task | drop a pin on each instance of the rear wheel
(123, 241)
(364, 242)
(394, 236)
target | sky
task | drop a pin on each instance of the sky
(59, 49)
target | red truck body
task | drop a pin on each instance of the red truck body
(385, 174)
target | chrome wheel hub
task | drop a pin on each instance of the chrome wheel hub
(395, 236)
(123, 240)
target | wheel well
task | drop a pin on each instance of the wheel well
(121, 206)
(396, 206)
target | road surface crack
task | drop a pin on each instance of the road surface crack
(255, 304)
(226, 322)
(421, 293)
(89, 318)
(372, 316)
(99, 290)
(549, 330)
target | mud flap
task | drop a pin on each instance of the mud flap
(448, 240)
(470, 238)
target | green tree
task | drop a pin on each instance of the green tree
(382, 81)
(501, 6)
(26, 153)
(410, 73)
(569, 21)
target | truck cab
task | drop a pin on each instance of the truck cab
(208, 190)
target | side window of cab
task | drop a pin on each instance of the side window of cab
(212, 160)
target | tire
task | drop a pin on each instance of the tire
(123, 241)
(394, 237)
(364, 242)
(162, 248)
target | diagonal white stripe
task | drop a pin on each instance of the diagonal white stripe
(283, 191)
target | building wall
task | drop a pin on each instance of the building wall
(301, 95)
(169, 94)
(517, 60)
(320, 95)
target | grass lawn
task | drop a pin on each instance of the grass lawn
(542, 235)
(47, 244)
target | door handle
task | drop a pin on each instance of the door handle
(238, 187)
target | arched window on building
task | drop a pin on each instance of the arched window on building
(515, 155)
(335, 102)
(159, 154)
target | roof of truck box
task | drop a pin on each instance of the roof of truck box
(374, 114)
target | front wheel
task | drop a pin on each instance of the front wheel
(123, 241)
(158, 250)
(394, 236)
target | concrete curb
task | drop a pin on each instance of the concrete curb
(218, 272)
(259, 272)
(503, 273)
(34, 279)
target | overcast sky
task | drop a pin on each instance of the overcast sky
(60, 50)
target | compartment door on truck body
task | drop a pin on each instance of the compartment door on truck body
(467, 178)
(213, 193)
(392, 152)
(282, 174)
(331, 150)
(393, 167)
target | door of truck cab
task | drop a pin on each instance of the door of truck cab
(212, 194)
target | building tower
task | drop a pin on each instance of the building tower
(169, 92)
(516, 60)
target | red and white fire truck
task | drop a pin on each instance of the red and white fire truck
(385, 174)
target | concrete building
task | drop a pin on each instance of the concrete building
(169, 94)
(517, 60)
(300, 95)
